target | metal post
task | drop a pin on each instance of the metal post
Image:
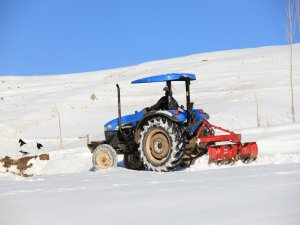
(188, 100)
(169, 94)
(119, 108)
(59, 125)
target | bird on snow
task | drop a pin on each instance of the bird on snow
(23, 152)
(22, 142)
(39, 145)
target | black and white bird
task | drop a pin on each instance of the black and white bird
(23, 152)
(39, 145)
(22, 142)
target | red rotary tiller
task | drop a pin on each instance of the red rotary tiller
(226, 153)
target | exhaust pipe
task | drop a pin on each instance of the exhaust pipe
(119, 108)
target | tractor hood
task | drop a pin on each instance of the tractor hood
(131, 119)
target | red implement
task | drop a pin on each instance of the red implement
(226, 152)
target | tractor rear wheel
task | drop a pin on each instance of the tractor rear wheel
(161, 144)
(104, 157)
(133, 161)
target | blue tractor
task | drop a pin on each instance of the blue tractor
(163, 136)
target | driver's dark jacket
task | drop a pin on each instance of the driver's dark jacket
(162, 104)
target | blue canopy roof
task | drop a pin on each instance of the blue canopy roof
(165, 77)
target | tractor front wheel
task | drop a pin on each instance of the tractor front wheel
(104, 157)
(161, 144)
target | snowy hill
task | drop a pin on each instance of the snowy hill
(237, 88)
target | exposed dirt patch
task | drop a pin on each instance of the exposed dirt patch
(21, 164)
(7, 162)
(44, 157)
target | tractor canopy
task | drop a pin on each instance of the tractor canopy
(166, 77)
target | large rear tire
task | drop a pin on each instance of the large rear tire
(161, 144)
(104, 157)
(133, 161)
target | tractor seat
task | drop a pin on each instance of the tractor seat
(162, 104)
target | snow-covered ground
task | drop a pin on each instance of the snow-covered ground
(247, 195)
(229, 86)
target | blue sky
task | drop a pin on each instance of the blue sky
(39, 37)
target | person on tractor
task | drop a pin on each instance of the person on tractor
(166, 102)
